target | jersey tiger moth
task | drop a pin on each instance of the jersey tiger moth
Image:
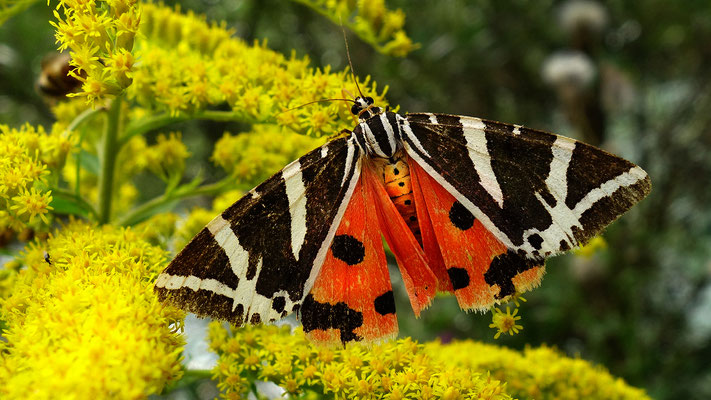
(466, 205)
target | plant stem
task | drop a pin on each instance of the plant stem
(86, 115)
(107, 159)
(146, 209)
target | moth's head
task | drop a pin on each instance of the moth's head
(364, 109)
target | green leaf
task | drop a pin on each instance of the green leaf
(150, 209)
(89, 161)
(10, 8)
(67, 205)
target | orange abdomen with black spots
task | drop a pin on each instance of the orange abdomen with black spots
(396, 177)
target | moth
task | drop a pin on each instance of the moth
(467, 206)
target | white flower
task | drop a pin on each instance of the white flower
(583, 15)
(570, 68)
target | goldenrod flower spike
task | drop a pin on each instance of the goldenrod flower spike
(28, 158)
(393, 370)
(100, 35)
(536, 373)
(402, 369)
(88, 326)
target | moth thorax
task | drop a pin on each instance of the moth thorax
(395, 173)
(379, 135)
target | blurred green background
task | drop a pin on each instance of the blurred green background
(633, 77)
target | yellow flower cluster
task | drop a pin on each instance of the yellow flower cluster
(394, 370)
(27, 158)
(188, 69)
(403, 369)
(100, 35)
(371, 21)
(83, 322)
(188, 65)
(536, 373)
(167, 157)
(256, 155)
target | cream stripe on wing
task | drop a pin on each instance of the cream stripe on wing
(557, 180)
(349, 161)
(479, 155)
(629, 178)
(410, 135)
(297, 205)
(226, 238)
(323, 250)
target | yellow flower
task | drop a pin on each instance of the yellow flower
(33, 203)
(196, 220)
(100, 34)
(593, 246)
(28, 156)
(505, 322)
(540, 373)
(371, 21)
(288, 359)
(167, 157)
(88, 325)
(256, 155)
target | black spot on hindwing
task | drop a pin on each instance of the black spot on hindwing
(460, 216)
(459, 277)
(504, 268)
(324, 316)
(385, 303)
(348, 249)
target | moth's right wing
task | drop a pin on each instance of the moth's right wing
(259, 259)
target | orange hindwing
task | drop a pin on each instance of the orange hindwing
(420, 282)
(352, 298)
(465, 246)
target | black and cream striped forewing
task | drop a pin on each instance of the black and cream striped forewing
(258, 259)
(538, 193)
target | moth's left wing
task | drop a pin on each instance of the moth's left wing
(539, 193)
(258, 259)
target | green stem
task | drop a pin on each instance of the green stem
(84, 116)
(107, 159)
(146, 209)
(80, 119)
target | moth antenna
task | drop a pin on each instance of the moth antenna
(315, 101)
(348, 54)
